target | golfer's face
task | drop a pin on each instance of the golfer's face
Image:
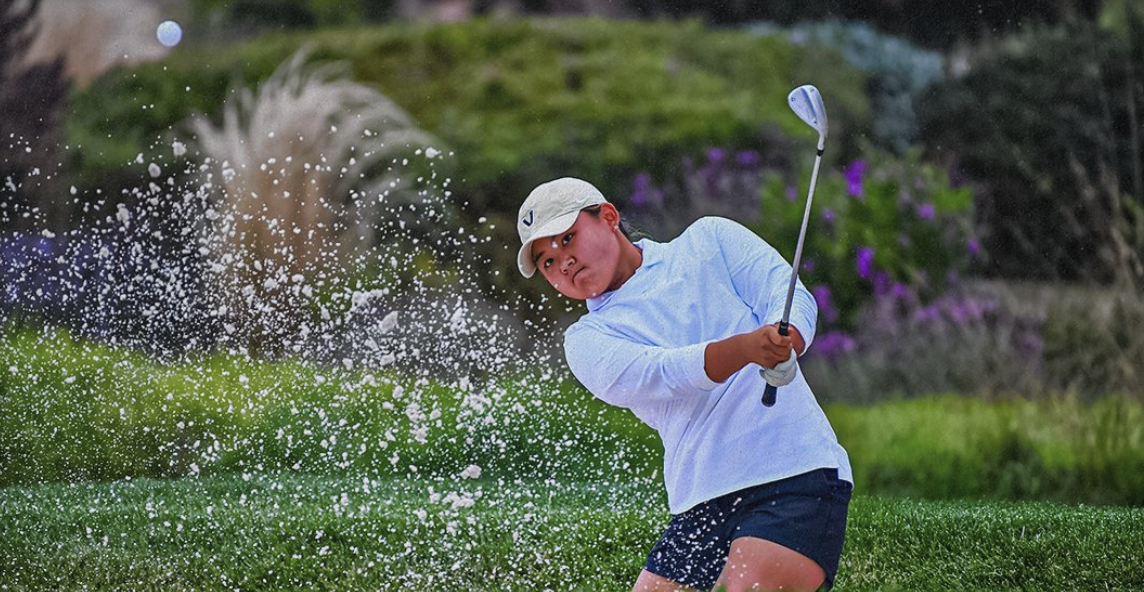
(580, 262)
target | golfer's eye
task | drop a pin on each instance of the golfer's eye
(567, 238)
(547, 263)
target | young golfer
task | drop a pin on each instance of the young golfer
(677, 333)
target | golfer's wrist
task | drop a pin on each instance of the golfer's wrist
(727, 356)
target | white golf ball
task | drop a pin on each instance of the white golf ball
(169, 33)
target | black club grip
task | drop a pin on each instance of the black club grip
(771, 391)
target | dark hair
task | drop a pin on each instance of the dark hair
(628, 232)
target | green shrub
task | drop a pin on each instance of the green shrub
(513, 102)
(1058, 164)
(238, 17)
(519, 101)
(880, 224)
(897, 69)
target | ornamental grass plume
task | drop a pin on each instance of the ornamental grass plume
(297, 172)
(94, 37)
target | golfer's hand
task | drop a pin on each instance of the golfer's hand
(771, 348)
(763, 346)
(775, 348)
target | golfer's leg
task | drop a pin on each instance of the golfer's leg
(649, 582)
(757, 564)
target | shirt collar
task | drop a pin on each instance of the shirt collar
(652, 256)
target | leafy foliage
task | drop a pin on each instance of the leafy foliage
(878, 225)
(519, 101)
(514, 103)
(897, 71)
(1057, 164)
(243, 17)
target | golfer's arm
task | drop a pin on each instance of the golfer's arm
(723, 358)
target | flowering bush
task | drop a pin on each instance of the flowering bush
(723, 182)
(986, 338)
(886, 246)
(966, 340)
(878, 225)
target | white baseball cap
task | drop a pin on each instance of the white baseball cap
(550, 209)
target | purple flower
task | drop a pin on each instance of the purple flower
(973, 247)
(833, 344)
(926, 313)
(715, 155)
(828, 216)
(975, 309)
(791, 193)
(807, 265)
(642, 188)
(899, 290)
(821, 295)
(825, 306)
(926, 211)
(711, 176)
(865, 262)
(644, 193)
(881, 282)
(748, 158)
(854, 175)
(1030, 343)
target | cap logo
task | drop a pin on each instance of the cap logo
(528, 221)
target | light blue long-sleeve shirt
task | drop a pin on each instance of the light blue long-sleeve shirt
(642, 345)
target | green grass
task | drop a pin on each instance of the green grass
(272, 532)
(72, 410)
(76, 411)
(285, 475)
(1056, 448)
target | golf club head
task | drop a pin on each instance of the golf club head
(806, 102)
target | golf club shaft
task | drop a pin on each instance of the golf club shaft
(801, 239)
(784, 327)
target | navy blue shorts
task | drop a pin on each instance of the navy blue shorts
(806, 513)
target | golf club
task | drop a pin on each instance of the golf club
(806, 102)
